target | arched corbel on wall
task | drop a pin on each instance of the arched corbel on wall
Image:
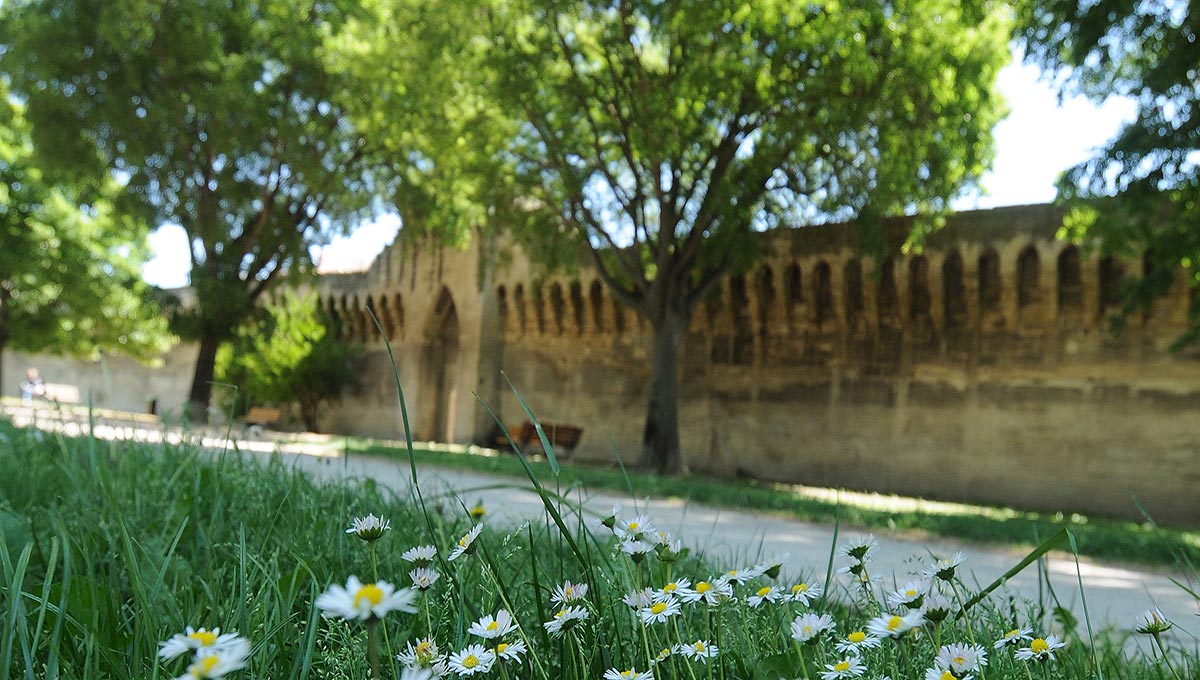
(503, 311)
(519, 309)
(793, 294)
(1029, 286)
(739, 317)
(824, 314)
(558, 307)
(1112, 286)
(398, 315)
(539, 309)
(954, 293)
(765, 303)
(1069, 288)
(991, 313)
(854, 299)
(596, 303)
(578, 308)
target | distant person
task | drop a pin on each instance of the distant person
(32, 386)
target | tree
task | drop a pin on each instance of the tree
(289, 355)
(220, 117)
(69, 266)
(661, 137)
(1145, 182)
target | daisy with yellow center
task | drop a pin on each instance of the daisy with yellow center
(193, 640)
(961, 659)
(217, 662)
(569, 592)
(674, 589)
(466, 544)
(630, 674)
(663, 655)
(511, 651)
(1153, 622)
(911, 596)
(1040, 649)
(700, 650)
(804, 593)
(472, 660)
(894, 625)
(764, 595)
(710, 592)
(849, 667)
(424, 654)
(1014, 637)
(369, 528)
(936, 673)
(491, 628)
(565, 620)
(359, 601)
(808, 628)
(659, 612)
(856, 642)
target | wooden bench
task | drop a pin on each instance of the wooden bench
(263, 416)
(61, 394)
(564, 438)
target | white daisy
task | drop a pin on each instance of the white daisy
(478, 511)
(421, 556)
(804, 593)
(1041, 649)
(490, 628)
(637, 549)
(663, 655)
(961, 659)
(856, 642)
(369, 528)
(424, 654)
(216, 662)
(808, 628)
(660, 611)
(937, 673)
(1014, 637)
(193, 640)
(569, 592)
(700, 650)
(944, 568)
(631, 674)
(910, 596)
(710, 592)
(639, 598)
(739, 576)
(416, 673)
(894, 625)
(859, 548)
(772, 567)
(511, 651)
(936, 607)
(634, 529)
(361, 601)
(849, 667)
(1153, 622)
(423, 578)
(610, 520)
(474, 659)
(673, 589)
(566, 619)
(466, 544)
(765, 594)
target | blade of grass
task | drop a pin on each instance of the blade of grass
(553, 459)
(1045, 547)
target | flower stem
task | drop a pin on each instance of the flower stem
(1163, 652)
(373, 648)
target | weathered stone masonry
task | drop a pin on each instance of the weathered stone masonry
(982, 369)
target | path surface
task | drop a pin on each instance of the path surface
(1115, 594)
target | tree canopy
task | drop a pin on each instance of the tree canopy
(70, 265)
(1139, 195)
(659, 138)
(220, 117)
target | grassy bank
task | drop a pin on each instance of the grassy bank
(1140, 543)
(111, 548)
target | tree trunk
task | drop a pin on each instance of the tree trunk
(660, 439)
(201, 394)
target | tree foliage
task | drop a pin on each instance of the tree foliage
(290, 355)
(221, 117)
(1139, 195)
(661, 137)
(69, 261)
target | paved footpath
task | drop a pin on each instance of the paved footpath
(1115, 594)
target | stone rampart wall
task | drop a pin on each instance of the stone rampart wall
(984, 368)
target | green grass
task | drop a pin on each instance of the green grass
(109, 548)
(1141, 543)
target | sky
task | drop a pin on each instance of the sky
(1039, 139)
